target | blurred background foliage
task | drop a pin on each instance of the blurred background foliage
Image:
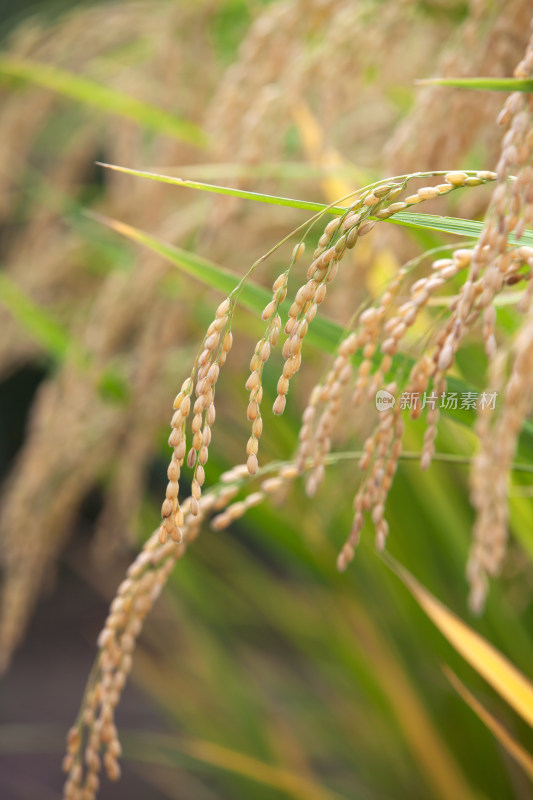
(263, 672)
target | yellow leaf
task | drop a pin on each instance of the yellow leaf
(322, 154)
(496, 669)
(519, 753)
(299, 786)
(422, 736)
(385, 266)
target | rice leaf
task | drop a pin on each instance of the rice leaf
(423, 737)
(221, 757)
(49, 333)
(489, 84)
(496, 669)
(452, 225)
(323, 333)
(209, 187)
(105, 98)
(55, 340)
(322, 154)
(161, 748)
(514, 748)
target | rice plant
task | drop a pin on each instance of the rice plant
(426, 343)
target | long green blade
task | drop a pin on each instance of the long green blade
(490, 84)
(49, 333)
(323, 334)
(56, 340)
(454, 225)
(210, 187)
(94, 94)
(451, 225)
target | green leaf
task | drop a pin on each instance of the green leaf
(490, 84)
(55, 340)
(94, 94)
(452, 225)
(209, 187)
(514, 748)
(52, 336)
(494, 667)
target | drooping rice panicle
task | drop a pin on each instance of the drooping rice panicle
(92, 743)
(340, 235)
(217, 343)
(498, 427)
(261, 355)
